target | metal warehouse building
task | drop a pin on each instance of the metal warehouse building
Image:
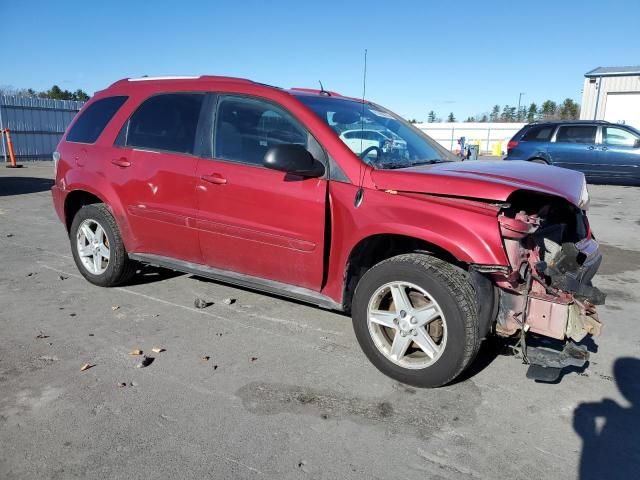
(612, 94)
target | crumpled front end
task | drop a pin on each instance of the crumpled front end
(553, 258)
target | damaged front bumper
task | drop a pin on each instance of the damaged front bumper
(547, 290)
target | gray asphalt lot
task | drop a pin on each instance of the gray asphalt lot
(286, 392)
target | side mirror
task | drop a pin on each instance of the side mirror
(636, 144)
(293, 159)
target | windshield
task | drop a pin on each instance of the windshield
(379, 137)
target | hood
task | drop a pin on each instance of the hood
(490, 180)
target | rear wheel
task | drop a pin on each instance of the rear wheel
(539, 160)
(415, 317)
(97, 247)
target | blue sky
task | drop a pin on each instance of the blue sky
(459, 56)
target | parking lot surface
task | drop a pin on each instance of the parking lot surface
(285, 391)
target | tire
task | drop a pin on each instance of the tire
(448, 289)
(539, 160)
(113, 270)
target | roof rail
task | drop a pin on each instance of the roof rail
(168, 77)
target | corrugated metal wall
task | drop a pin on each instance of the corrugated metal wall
(627, 83)
(36, 124)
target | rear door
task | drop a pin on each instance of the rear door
(251, 219)
(153, 170)
(620, 153)
(574, 147)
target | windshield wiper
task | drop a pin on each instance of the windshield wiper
(394, 165)
(426, 162)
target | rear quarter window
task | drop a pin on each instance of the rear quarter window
(538, 134)
(165, 122)
(94, 119)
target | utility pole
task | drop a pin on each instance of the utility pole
(519, 100)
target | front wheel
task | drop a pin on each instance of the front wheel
(97, 247)
(415, 317)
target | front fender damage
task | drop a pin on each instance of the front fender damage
(561, 302)
(548, 288)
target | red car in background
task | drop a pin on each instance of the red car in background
(252, 185)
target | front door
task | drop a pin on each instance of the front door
(575, 147)
(153, 170)
(620, 153)
(251, 219)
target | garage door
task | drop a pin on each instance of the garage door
(623, 108)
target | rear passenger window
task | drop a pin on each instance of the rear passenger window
(247, 128)
(166, 122)
(538, 134)
(576, 134)
(94, 119)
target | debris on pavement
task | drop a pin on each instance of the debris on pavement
(135, 352)
(122, 384)
(206, 358)
(41, 335)
(9, 235)
(146, 361)
(91, 334)
(62, 277)
(115, 307)
(200, 303)
(158, 349)
(229, 301)
(86, 366)
(72, 314)
(30, 274)
(215, 367)
(253, 359)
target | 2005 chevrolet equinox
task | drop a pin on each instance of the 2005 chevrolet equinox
(253, 185)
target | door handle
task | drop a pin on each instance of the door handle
(121, 162)
(214, 178)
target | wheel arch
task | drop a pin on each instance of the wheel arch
(84, 195)
(74, 201)
(378, 247)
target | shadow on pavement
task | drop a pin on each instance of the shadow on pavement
(150, 274)
(23, 185)
(491, 348)
(609, 431)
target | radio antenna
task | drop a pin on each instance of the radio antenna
(322, 90)
(360, 192)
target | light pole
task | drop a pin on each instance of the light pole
(519, 100)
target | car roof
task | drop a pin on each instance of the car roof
(568, 122)
(212, 80)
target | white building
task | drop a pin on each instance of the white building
(492, 137)
(612, 94)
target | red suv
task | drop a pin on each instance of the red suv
(253, 185)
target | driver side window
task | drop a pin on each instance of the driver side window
(619, 137)
(246, 128)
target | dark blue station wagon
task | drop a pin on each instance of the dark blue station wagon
(605, 152)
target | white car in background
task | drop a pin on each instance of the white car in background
(359, 140)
